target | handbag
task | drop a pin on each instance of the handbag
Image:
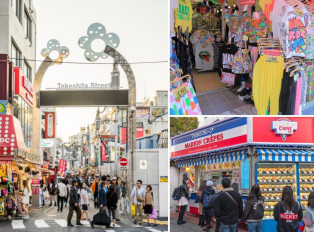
(133, 210)
(139, 198)
(154, 214)
(46, 194)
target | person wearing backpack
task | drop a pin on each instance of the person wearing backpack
(200, 207)
(207, 196)
(183, 200)
(309, 214)
(254, 210)
(52, 192)
(228, 207)
(288, 213)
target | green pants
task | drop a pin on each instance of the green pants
(138, 213)
(78, 214)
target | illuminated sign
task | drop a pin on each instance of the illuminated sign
(284, 127)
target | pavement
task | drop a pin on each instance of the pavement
(49, 219)
(192, 224)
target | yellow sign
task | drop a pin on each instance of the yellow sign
(180, 92)
(163, 178)
(183, 15)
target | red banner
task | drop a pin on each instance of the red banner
(104, 157)
(283, 130)
(62, 167)
(247, 2)
(139, 134)
(50, 127)
(23, 86)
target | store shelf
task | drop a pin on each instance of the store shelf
(272, 200)
(275, 174)
(306, 182)
(306, 191)
(273, 191)
(306, 174)
(269, 209)
(276, 183)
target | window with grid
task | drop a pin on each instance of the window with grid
(16, 55)
(27, 70)
(16, 6)
(27, 25)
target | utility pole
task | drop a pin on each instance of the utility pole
(116, 140)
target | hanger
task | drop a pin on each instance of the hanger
(297, 69)
(180, 78)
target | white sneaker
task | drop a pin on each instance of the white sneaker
(241, 87)
(26, 217)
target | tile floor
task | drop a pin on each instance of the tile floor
(223, 102)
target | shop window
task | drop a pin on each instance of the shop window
(27, 25)
(16, 55)
(27, 71)
(16, 6)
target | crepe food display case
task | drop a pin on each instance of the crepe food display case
(272, 178)
(306, 182)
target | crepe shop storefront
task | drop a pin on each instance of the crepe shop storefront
(271, 151)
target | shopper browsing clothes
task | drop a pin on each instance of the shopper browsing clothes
(288, 213)
(228, 207)
(61, 194)
(184, 200)
(84, 202)
(52, 192)
(309, 214)
(207, 195)
(25, 199)
(254, 210)
(112, 200)
(137, 197)
(200, 207)
(74, 204)
(149, 204)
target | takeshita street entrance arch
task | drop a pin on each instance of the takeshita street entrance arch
(118, 97)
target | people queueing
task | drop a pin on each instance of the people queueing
(84, 202)
(254, 210)
(228, 207)
(207, 195)
(118, 191)
(112, 200)
(137, 197)
(74, 204)
(200, 205)
(62, 192)
(52, 192)
(148, 204)
(184, 200)
(284, 209)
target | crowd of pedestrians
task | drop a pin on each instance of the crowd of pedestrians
(228, 208)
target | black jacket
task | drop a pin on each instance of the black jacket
(184, 191)
(288, 221)
(112, 201)
(226, 209)
(210, 191)
(254, 210)
(74, 198)
(102, 200)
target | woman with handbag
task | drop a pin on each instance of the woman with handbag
(112, 203)
(149, 203)
(199, 192)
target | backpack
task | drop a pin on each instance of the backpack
(207, 199)
(212, 200)
(176, 195)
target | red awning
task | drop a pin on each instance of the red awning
(11, 137)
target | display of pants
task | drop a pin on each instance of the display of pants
(287, 95)
(78, 214)
(138, 213)
(266, 84)
(118, 210)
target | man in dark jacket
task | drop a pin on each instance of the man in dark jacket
(118, 191)
(207, 195)
(228, 207)
(74, 205)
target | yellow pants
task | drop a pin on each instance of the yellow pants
(266, 84)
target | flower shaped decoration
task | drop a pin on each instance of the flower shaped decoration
(54, 45)
(97, 31)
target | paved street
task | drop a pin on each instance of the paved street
(48, 219)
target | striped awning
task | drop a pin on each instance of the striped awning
(213, 159)
(285, 155)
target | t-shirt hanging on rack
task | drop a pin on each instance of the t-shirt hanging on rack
(204, 57)
(228, 51)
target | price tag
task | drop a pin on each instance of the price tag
(180, 92)
(272, 59)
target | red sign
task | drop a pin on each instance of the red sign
(23, 87)
(228, 78)
(139, 133)
(62, 167)
(50, 127)
(283, 130)
(247, 2)
(123, 162)
(104, 157)
(8, 140)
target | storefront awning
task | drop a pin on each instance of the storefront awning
(287, 155)
(213, 159)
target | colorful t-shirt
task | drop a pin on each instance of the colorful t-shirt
(204, 57)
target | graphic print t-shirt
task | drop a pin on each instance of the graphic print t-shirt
(204, 57)
(228, 52)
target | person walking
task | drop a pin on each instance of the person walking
(137, 197)
(200, 205)
(42, 188)
(52, 192)
(254, 210)
(74, 205)
(25, 198)
(149, 204)
(309, 214)
(228, 207)
(95, 188)
(184, 200)
(207, 195)
(118, 191)
(66, 198)
(84, 202)
(112, 200)
(288, 213)
(123, 195)
(61, 194)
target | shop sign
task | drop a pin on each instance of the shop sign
(104, 157)
(139, 134)
(142, 112)
(183, 15)
(247, 2)
(284, 127)
(157, 111)
(143, 164)
(92, 155)
(23, 87)
(282, 130)
(108, 138)
(47, 143)
(50, 127)
(62, 167)
(3, 107)
(92, 85)
(8, 140)
(164, 179)
(224, 134)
